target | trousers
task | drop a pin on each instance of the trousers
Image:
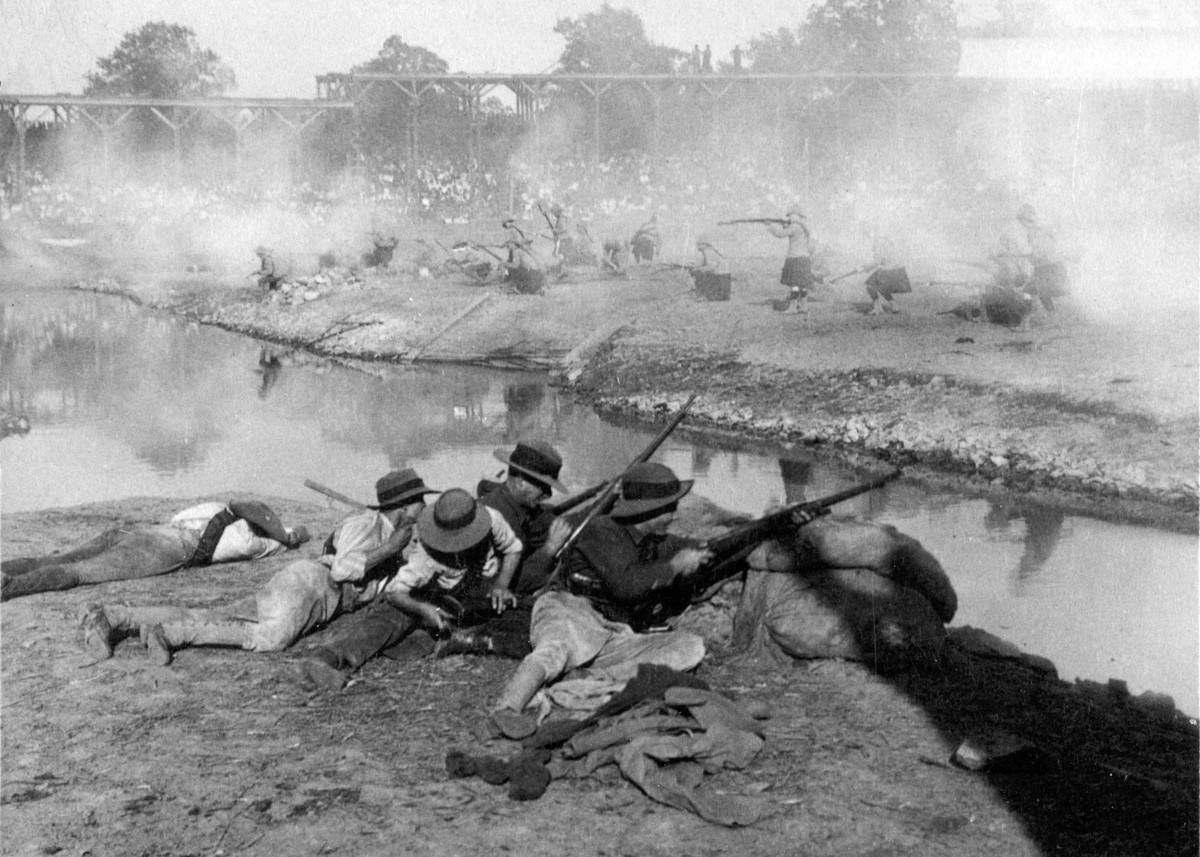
(121, 553)
(298, 598)
(567, 633)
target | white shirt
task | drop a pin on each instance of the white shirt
(355, 537)
(420, 568)
(238, 541)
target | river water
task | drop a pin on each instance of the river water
(125, 402)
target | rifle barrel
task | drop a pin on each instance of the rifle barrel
(606, 498)
(737, 539)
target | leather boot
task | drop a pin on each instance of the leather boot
(163, 639)
(44, 578)
(321, 668)
(96, 632)
(510, 717)
(465, 642)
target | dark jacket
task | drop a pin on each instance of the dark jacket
(621, 570)
(532, 527)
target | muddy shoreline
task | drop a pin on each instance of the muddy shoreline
(224, 751)
(1091, 452)
(226, 747)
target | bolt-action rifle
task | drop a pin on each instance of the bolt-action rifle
(861, 269)
(730, 550)
(608, 496)
(781, 221)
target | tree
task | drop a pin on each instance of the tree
(879, 36)
(398, 57)
(160, 60)
(611, 40)
(391, 130)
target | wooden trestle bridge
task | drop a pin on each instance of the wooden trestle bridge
(783, 99)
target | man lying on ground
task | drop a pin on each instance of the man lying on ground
(359, 563)
(206, 533)
(331, 656)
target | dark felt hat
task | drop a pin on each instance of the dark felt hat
(648, 487)
(262, 519)
(454, 523)
(399, 488)
(535, 459)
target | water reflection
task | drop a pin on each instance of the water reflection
(128, 403)
(1043, 528)
(270, 364)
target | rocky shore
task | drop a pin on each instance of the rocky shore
(1095, 416)
(988, 751)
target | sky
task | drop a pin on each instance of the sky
(276, 48)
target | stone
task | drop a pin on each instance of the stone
(1000, 751)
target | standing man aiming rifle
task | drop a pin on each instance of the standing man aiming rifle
(797, 272)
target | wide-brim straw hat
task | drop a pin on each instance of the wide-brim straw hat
(647, 488)
(454, 523)
(399, 488)
(536, 459)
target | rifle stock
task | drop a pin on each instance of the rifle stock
(334, 495)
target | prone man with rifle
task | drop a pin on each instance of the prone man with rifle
(624, 574)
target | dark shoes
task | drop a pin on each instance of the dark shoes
(318, 669)
(513, 725)
(157, 645)
(96, 632)
(464, 643)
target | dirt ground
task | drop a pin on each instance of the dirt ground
(225, 753)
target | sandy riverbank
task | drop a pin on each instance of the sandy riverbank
(1097, 415)
(224, 752)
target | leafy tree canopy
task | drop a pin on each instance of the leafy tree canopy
(398, 57)
(881, 36)
(611, 41)
(160, 60)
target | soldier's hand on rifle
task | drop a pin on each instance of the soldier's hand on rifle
(804, 516)
(502, 597)
(434, 617)
(688, 560)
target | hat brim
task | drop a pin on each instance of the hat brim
(453, 541)
(404, 499)
(503, 458)
(261, 518)
(635, 508)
